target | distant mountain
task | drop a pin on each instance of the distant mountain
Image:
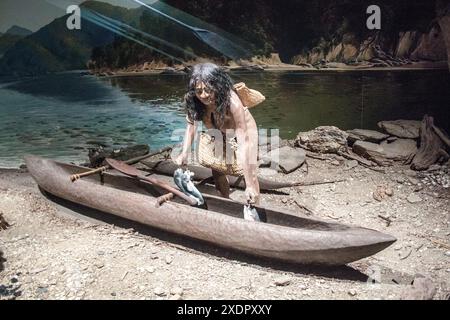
(7, 41)
(18, 31)
(11, 36)
(55, 48)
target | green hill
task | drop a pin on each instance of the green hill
(55, 48)
(11, 36)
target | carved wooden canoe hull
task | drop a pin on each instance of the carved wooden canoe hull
(284, 236)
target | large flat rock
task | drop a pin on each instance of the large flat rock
(285, 159)
(386, 153)
(366, 135)
(401, 128)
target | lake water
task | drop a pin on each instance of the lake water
(61, 116)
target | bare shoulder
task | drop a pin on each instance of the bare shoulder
(236, 105)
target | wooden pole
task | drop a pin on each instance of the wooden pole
(77, 176)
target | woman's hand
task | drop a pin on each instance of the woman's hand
(181, 159)
(251, 196)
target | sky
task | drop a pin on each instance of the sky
(34, 14)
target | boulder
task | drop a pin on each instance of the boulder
(401, 128)
(407, 42)
(326, 139)
(385, 153)
(335, 53)
(400, 149)
(285, 159)
(444, 23)
(349, 52)
(365, 135)
(431, 46)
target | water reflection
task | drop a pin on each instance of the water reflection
(302, 101)
(61, 116)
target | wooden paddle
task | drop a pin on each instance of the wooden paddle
(77, 176)
(135, 173)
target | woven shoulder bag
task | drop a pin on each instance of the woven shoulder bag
(249, 97)
(219, 161)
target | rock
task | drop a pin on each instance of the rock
(352, 292)
(407, 42)
(371, 151)
(400, 150)
(169, 259)
(176, 297)
(391, 139)
(444, 23)
(350, 164)
(335, 163)
(382, 192)
(366, 135)
(338, 65)
(150, 269)
(447, 253)
(176, 291)
(159, 291)
(282, 281)
(285, 159)
(385, 153)
(434, 167)
(413, 198)
(421, 289)
(431, 46)
(326, 139)
(413, 181)
(401, 128)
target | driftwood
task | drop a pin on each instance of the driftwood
(360, 160)
(442, 135)
(313, 155)
(364, 162)
(431, 146)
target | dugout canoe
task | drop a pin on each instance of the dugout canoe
(284, 236)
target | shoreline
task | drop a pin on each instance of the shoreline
(415, 66)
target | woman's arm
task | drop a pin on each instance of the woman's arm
(247, 150)
(187, 143)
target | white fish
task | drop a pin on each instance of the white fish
(183, 179)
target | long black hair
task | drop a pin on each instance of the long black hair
(219, 82)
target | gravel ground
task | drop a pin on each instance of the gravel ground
(49, 253)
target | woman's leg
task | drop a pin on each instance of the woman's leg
(222, 184)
